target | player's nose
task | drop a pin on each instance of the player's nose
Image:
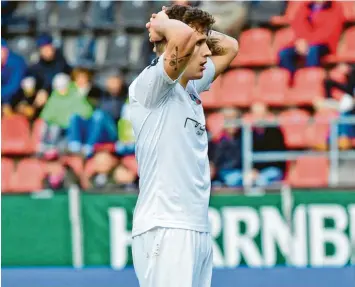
(206, 51)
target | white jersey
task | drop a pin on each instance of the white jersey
(171, 150)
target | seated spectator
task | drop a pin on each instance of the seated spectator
(24, 102)
(265, 139)
(13, 69)
(62, 105)
(315, 35)
(230, 16)
(103, 123)
(227, 159)
(58, 176)
(108, 172)
(346, 104)
(51, 63)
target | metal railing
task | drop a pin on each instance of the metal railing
(333, 154)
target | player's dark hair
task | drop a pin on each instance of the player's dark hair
(191, 16)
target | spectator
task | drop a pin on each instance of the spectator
(265, 139)
(108, 172)
(13, 69)
(345, 106)
(230, 16)
(24, 102)
(51, 63)
(315, 34)
(82, 78)
(103, 123)
(63, 104)
(58, 176)
(227, 161)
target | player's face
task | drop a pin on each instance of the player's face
(197, 63)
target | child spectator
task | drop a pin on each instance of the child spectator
(317, 27)
(13, 69)
(63, 104)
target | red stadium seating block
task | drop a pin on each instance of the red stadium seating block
(237, 88)
(215, 125)
(210, 99)
(36, 134)
(347, 52)
(349, 10)
(130, 162)
(310, 171)
(291, 10)
(7, 171)
(15, 135)
(250, 52)
(308, 85)
(272, 87)
(294, 124)
(28, 176)
(283, 38)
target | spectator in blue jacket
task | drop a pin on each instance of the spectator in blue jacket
(13, 69)
(51, 63)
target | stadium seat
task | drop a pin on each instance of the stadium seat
(118, 51)
(7, 171)
(250, 119)
(347, 53)
(28, 176)
(349, 10)
(250, 53)
(318, 131)
(85, 55)
(310, 171)
(128, 15)
(263, 11)
(272, 87)
(36, 134)
(24, 46)
(215, 125)
(291, 10)
(101, 15)
(338, 76)
(237, 88)
(210, 99)
(308, 85)
(15, 135)
(282, 39)
(130, 162)
(43, 11)
(22, 18)
(67, 15)
(294, 124)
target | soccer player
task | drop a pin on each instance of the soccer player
(172, 246)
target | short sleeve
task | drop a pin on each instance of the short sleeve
(152, 85)
(205, 82)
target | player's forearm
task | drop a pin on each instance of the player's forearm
(172, 29)
(221, 44)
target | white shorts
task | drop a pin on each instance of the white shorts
(170, 257)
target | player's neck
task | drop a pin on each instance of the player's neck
(183, 82)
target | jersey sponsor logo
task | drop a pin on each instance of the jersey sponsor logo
(195, 99)
(199, 128)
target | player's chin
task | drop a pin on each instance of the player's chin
(198, 75)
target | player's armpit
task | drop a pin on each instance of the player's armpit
(224, 49)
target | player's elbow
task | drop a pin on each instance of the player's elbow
(234, 47)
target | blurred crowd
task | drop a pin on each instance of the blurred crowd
(82, 118)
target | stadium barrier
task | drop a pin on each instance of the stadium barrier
(77, 229)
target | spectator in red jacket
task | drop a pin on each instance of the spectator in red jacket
(317, 27)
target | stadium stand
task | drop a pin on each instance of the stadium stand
(105, 35)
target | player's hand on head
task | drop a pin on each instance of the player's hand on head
(154, 36)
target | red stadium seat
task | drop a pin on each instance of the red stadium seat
(36, 133)
(28, 176)
(255, 48)
(294, 124)
(130, 162)
(76, 163)
(15, 135)
(272, 87)
(340, 77)
(237, 88)
(310, 172)
(210, 99)
(7, 171)
(347, 53)
(308, 85)
(282, 39)
(215, 124)
(349, 10)
(318, 132)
